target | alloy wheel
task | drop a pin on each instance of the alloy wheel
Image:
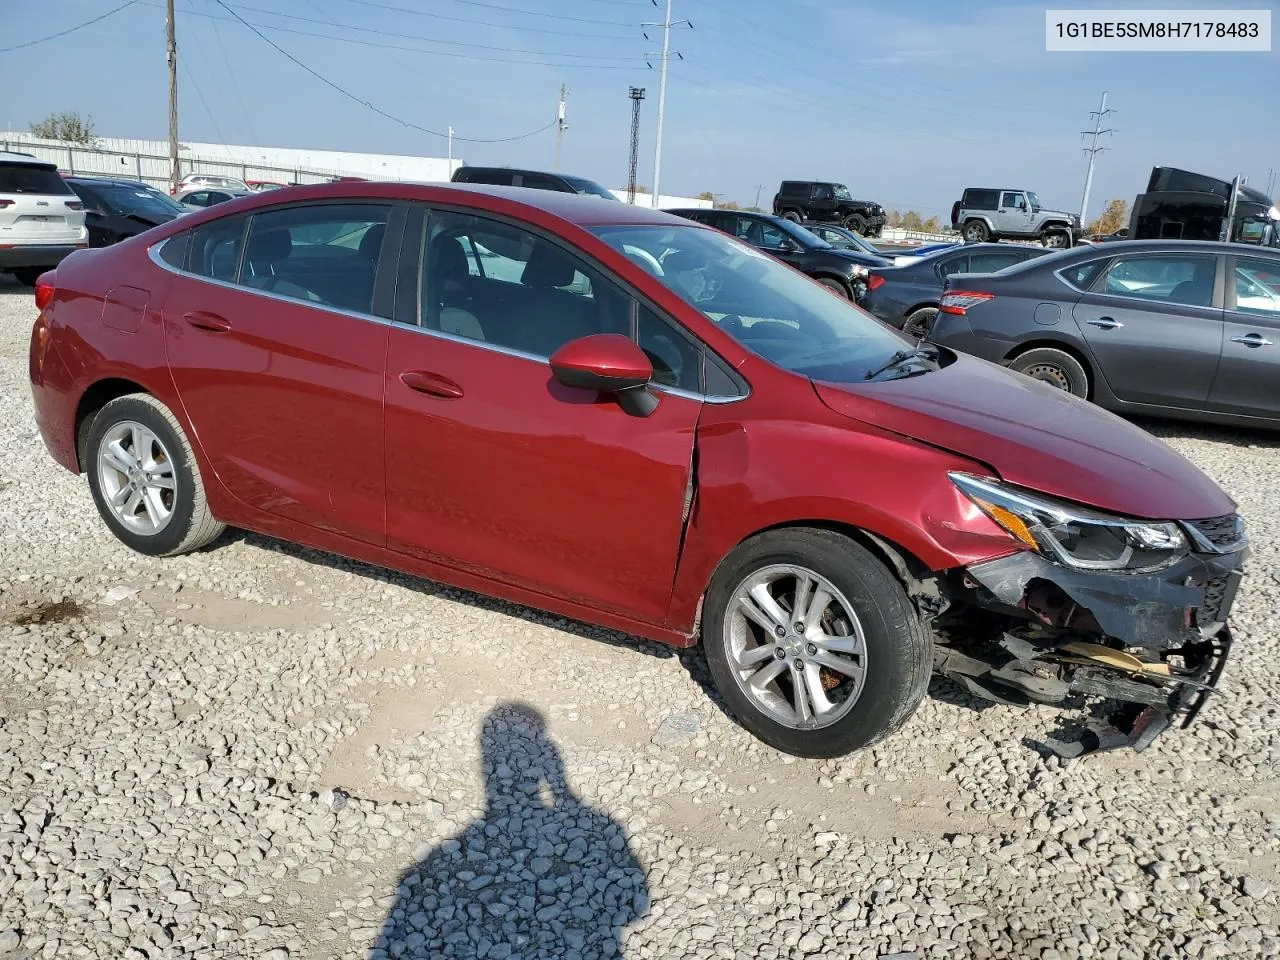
(795, 646)
(135, 471)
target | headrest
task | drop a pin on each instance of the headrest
(547, 267)
(448, 260)
(371, 242)
(268, 246)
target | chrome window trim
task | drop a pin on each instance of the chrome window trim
(154, 255)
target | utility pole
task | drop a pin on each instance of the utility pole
(637, 94)
(174, 173)
(666, 25)
(759, 187)
(561, 126)
(451, 151)
(1101, 113)
(1229, 224)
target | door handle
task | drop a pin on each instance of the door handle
(431, 383)
(203, 320)
(1106, 323)
(1252, 340)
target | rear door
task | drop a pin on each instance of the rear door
(1154, 324)
(1248, 380)
(277, 349)
(37, 206)
(495, 468)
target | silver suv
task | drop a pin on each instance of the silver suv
(41, 219)
(986, 213)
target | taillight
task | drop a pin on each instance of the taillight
(958, 301)
(74, 205)
(875, 282)
(44, 290)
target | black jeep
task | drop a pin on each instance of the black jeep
(828, 202)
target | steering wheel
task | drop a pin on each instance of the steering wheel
(731, 324)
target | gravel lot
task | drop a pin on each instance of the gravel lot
(263, 751)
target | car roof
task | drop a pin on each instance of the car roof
(116, 181)
(574, 208)
(1173, 246)
(26, 160)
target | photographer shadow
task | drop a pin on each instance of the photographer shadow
(540, 875)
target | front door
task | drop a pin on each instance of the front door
(1248, 380)
(1014, 215)
(278, 361)
(1154, 324)
(496, 468)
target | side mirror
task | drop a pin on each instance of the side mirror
(788, 245)
(608, 363)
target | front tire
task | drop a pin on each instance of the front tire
(1054, 367)
(1056, 240)
(27, 276)
(835, 286)
(813, 643)
(792, 216)
(920, 322)
(857, 223)
(145, 479)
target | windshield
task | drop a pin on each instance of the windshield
(141, 200)
(589, 187)
(849, 240)
(1035, 202)
(842, 192)
(766, 306)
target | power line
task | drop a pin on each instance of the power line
(409, 36)
(365, 103)
(613, 65)
(539, 13)
(203, 102)
(374, 4)
(63, 33)
(234, 85)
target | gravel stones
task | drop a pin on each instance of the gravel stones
(263, 751)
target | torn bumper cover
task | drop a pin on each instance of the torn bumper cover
(1150, 646)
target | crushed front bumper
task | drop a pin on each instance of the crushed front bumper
(1137, 652)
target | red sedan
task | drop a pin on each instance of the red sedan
(630, 419)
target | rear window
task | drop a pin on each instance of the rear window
(981, 199)
(1082, 275)
(795, 188)
(494, 178)
(32, 178)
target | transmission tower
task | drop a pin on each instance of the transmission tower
(637, 94)
(1098, 116)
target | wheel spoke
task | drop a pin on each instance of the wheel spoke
(767, 674)
(824, 641)
(839, 664)
(155, 509)
(140, 451)
(800, 698)
(131, 505)
(118, 458)
(121, 495)
(161, 482)
(804, 594)
(756, 655)
(760, 593)
(817, 607)
(817, 695)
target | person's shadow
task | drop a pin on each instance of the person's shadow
(540, 875)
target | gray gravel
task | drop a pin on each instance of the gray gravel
(271, 753)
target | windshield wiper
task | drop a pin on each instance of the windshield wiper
(927, 352)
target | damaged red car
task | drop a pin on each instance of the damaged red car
(629, 419)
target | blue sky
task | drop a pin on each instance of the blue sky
(906, 102)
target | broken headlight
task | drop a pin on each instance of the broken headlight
(1075, 536)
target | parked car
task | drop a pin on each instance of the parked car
(627, 418)
(1121, 234)
(900, 258)
(118, 209)
(194, 180)
(533, 179)
(257, 186)
(907, 296)
(41, 219)
(207, 197)
(841, 270)
(799, 200)
(843, 238)
(1172, 328)
(1001, 213)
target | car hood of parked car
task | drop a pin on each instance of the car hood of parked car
(1038, 437)
(856, 256)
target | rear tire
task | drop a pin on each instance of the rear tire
(792, 216)
(835, 286)
(1054, 367)
(976, 231)
(145, 479)
(855, 615)
(920, 322)
(27, 276)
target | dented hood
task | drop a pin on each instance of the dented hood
(1037, 437)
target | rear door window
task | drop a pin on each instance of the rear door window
(1185, 279)
(32, 178)
(991, 262)
(1258, 287)
(953, 265)
(215, 249)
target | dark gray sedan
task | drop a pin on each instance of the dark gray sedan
(1159, 327)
